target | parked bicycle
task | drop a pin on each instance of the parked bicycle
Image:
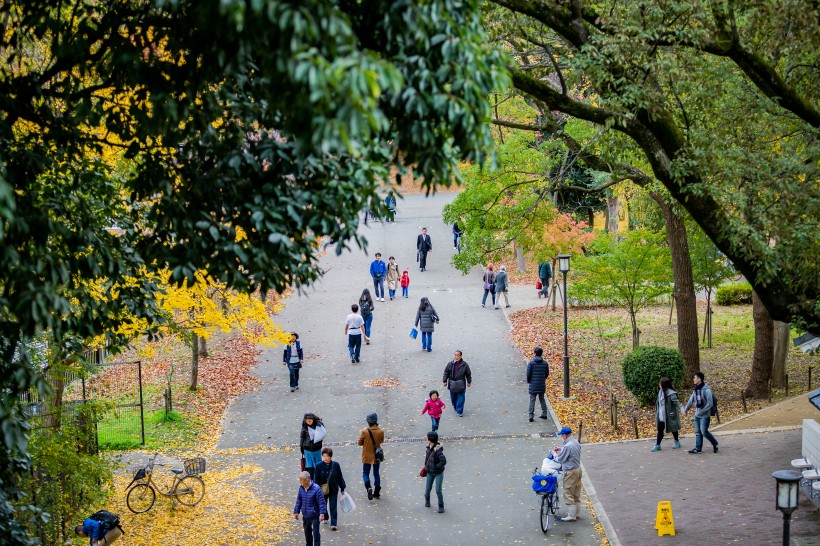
(186, 488)
(546, 486)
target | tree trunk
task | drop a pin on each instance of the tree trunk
(780, 353)
(758, 385)
(687, 311)
(203, 347)
(194, 361)
(591, 217)
(519, 257)
(612, 213)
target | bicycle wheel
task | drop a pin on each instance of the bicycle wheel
(553, 502)
(190, 490)
(140, 498)
(546, 514)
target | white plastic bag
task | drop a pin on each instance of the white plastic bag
(549, 467)
(346, 503)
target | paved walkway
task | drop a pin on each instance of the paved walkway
(490, 451)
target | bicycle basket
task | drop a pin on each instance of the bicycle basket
(544, 484)
(194, 466)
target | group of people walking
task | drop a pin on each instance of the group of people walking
(497, 285)
(668, 410)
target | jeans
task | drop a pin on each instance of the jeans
(701, 430)
(438, 478)
(332, 507)
(427, 340)
(377, 480)
(312, 530)
(457, 398)
(543, 405)
(391, 292)
(484, 299)
(434, 421)
(294, 376)
(354, 345)
(368, 320)
(312, 458)
(378, 285)
(455, 240)
(405, 291)
(545, 288)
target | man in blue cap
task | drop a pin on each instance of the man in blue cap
(569, 455)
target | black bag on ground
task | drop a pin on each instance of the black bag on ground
(107, 520)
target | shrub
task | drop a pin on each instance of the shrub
(644, 367)
(734, 294)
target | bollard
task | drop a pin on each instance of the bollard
(786, 379)
(635, 426)
(580, 430)
(743, 399)
(809, 377)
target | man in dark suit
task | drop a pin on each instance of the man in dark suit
(423, 246)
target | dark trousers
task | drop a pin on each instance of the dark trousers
(422, 260)
(312, 531)
(294, 376)
(428, 486)
(543, 404)
(332, 506)
(354, 345)
(662, 430)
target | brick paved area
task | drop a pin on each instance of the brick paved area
(722, 498)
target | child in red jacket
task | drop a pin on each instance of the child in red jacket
(405, 284)
(433, 407)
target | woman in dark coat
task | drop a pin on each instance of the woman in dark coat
(667, 412)
(434, 463)
(310, 442)
(329, 472)
(426, 318)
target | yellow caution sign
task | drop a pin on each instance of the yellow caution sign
(664, 521)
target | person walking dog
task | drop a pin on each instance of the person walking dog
(311, 503)
(569, 456)
(371, 439)
(457, 377)
(434, 464)
(537, 373)
(703, 400)
(667, 413)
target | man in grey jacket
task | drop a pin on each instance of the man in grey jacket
(569, 455)
(702, 399)
(501, 285)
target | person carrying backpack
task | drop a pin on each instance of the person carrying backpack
(703, 400)
(101, 528)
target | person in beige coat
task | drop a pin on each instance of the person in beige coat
(393, 277)
(371, 438)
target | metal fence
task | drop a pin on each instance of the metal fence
(117, 383)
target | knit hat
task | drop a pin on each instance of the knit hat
(372, 419)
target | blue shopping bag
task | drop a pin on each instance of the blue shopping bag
(414, 333)
(544, 484)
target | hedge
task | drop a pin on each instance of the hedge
(734, 294)
(644, 367)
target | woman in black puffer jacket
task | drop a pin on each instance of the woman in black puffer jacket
(434, 463)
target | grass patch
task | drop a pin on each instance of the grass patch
(121, 430)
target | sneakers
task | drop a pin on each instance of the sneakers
(352, 359)
(696, 450)
(367, 341)
(531, 419)
(381, 299)
(656, 448)
(292, 389)
(427, 502)
(715, 447)
(677, 445)
(440, 509)
(334, 528)
(566, 518)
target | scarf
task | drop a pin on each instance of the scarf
(698, 396)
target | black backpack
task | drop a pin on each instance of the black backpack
(107, 520)
(714, 409)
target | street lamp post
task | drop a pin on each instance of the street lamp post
(563, 266)
(788, 486)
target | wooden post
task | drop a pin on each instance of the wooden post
(743, 399)
(580, 430)
(635, 426)
(786, 378)
(809, 377)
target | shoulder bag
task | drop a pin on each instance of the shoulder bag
(326, 485)
(423, 471)
(379, 452)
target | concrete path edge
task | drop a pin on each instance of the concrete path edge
(592, 495)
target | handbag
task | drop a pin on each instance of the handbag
(414, 333)
(538, 285)
(326, 489)
(378, 451)
(488, 286)
(423, 471)
(302, 463)
(457, 385)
